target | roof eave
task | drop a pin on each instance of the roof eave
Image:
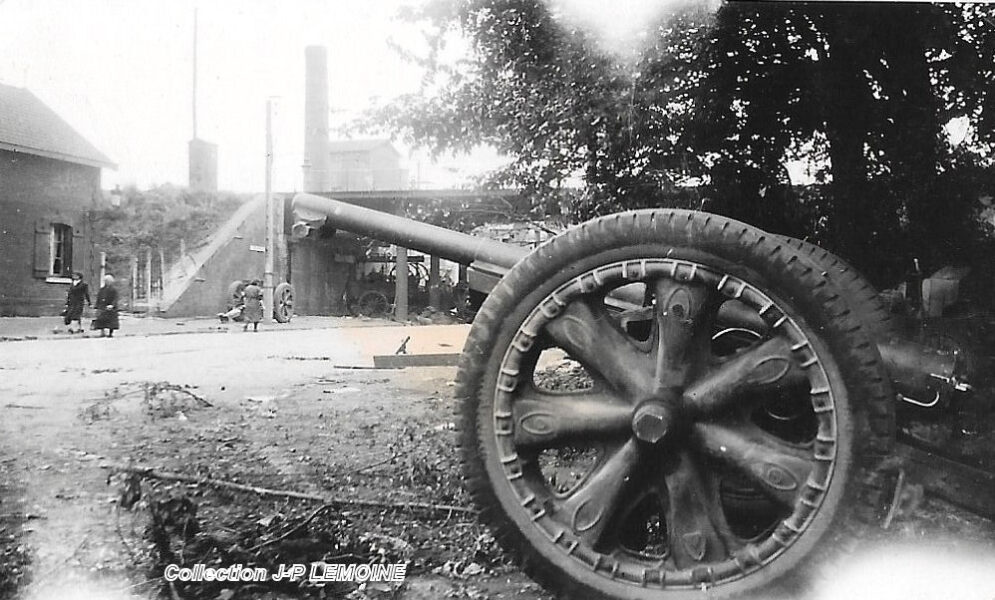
(80, 160)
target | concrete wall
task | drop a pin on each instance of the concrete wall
(318, 266)
(34, 193)
(319, 274)
(321, 265)
(207, 291)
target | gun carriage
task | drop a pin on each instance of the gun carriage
(733, 426)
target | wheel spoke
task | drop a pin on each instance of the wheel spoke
(707, 436)
(778, 468)
(766, 366)
(736, 314)
(544, 419)
(682, 327)
(627, 529)
(695, 526)
(593, 505)
(592, 337)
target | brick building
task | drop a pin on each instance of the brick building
(49, 181)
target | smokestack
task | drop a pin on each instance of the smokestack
(202, 156)
(316, 158)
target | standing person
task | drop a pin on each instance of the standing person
(78, 293)
(106, 308)
(253, 311)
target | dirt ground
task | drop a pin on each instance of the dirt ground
(288, 411)
(285, 410)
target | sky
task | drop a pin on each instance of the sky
(120, 72)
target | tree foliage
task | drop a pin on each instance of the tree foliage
(715, 104)
(870, 87)
(163, 217)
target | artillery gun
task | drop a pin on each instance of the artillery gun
(732, 429)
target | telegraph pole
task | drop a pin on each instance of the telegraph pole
(270, 242)
(193, 100)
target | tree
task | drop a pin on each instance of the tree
(724, 99)
(870, 87)
(541, 94)
(158, 218)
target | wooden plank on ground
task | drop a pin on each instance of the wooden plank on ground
(399, 361)
(963, 485)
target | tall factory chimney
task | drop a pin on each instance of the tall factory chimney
(202, 156)
(316, 157)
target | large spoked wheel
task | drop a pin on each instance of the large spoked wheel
(235, 290)
(283, 303)
(373, 304)
(635, 454)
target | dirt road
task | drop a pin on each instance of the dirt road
(55, 447)
(73, 407)
(282, 410)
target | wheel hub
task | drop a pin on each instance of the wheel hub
(652, 422)
(631, 469)
(658, 418)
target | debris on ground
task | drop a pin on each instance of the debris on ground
(434, 316)
(15, 555)
(160, 399)
(279, 473)
(281, 477)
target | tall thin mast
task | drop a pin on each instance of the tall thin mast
(194, 98)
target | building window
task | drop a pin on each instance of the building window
(61, 264)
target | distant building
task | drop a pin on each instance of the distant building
(49, 180)
(203, 159)
(365, 166)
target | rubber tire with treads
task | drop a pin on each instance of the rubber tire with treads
(862, 297)
(283, 303)
(866, 304)
(854, 499)
(864, 300)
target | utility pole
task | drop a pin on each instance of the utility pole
(193, 101)
(401, 285)
(148, 281)
(270, 245)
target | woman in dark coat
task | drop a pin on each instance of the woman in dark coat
(78, 293)
(106, 308)
(253, 311)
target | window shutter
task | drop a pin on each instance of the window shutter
(78, 249)
(43, 248)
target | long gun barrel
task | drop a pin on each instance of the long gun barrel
(488, 259)
(921, 374)
(408, 233)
